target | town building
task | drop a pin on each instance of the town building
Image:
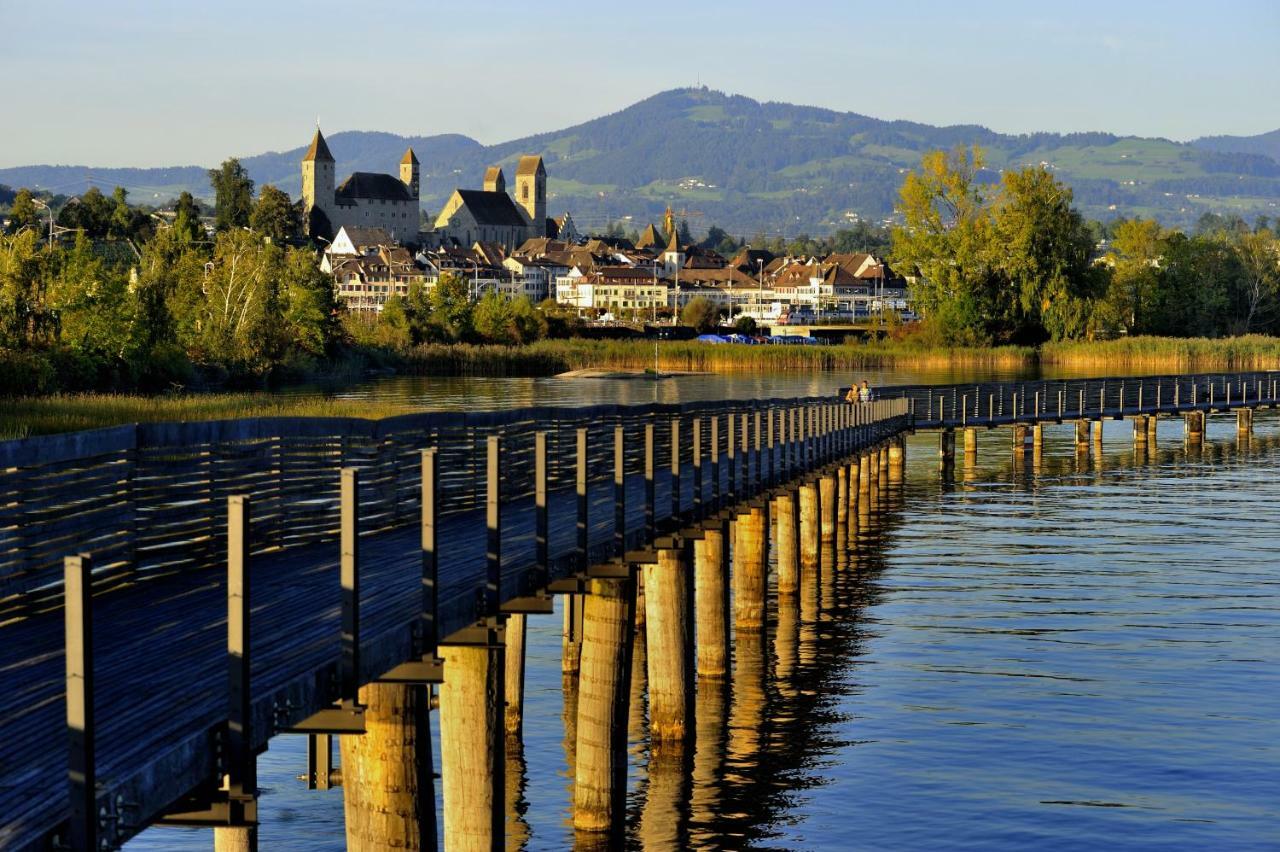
(363, 200)
(491, 215)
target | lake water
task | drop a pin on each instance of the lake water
(1074, 655)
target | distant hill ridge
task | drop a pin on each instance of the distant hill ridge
(755, 167)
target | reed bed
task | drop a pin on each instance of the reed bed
(1165, 354)
(26, 416)
(548, 357)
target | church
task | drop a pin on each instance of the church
(364, 200)
(490, 215)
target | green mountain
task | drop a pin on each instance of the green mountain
(770, 168)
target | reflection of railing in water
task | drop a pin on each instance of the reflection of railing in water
(557, 491)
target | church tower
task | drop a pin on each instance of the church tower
(409, 172)
(531, 193)
(494, 180)
(317, 185)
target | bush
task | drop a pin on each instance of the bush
(24, 373)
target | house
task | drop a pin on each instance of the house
(363, 200)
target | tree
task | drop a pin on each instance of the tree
(1259, 253)
(700, 313)
(451, 309)
(241, 322)
(92, 301)
(275, 216)
(945, 241)
(121, 221)
(1134, 260)
(309, 304)
(745, 325)
(23, 213)
(1047, 251)
(187, 219)
(25, 317)
(233, 195)
(493, 319)
(686, 236)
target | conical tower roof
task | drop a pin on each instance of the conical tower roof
(674, 244)
(409, 158)
(319, 151)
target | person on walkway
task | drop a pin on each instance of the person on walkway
(865, 394)
(853, 395)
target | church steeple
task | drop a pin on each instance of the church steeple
(319, 150)
(409, 171)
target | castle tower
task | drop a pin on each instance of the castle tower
(317, 184)
(494, 181)
(531, 193)
(409, 172)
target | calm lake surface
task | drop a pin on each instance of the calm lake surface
(1070, 655)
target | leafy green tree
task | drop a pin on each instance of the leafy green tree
(493, 319)
(233, 195)
(121, 221)
(700, 313)
(187, 219)
(745, 325)
(25, 317)
(1134, 258)
(275, 216)
(1259, 255)
(946, 242)
(92, 300)
(23, 213)
(451, 308)
(393, 329)
(310, 305)
(685, 236)
(91, 213)
(241, 323)
(1047, 258)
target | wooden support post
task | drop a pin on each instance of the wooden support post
(1152, 431)
(349, 577)
(619, 492)
(711, 600)
(1096, 426)
(1037, 437)
(699, 506)
(513, 635)
(715, 463)
(970, 444)
(1082, 436)
(81, 731)
(541, 518)
(810, 531)
(583, 505)
(676, 489)
(472, 756)
(388, 787)
(864, 473)
(787, 541)
(1019, 439)
(827, 511)
(842, 513)
(669, 640)
(750, 569)
(493, 526)
(428, 526)
(571, 635)
(241, 781)
(650, 484)
(600, 789)
(855, 478)
(947, 447)
(1244, 421)
(1139, 430)
(897, 454)
(1193, 422)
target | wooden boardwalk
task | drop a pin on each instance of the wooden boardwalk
(158, 538)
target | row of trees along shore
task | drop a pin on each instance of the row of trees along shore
(1008, 263)
(1014, 262)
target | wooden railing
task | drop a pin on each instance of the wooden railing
(995, 403)
(148, 500)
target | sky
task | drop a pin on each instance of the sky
(129, 83)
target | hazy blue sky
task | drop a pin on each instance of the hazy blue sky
(123, 82)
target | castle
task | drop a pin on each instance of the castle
(369, 200)
(364, 200)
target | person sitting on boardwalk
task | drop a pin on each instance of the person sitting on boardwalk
(865, 394)
(853, 395)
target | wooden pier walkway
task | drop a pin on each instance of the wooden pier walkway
(242, 579)
(148, 504)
